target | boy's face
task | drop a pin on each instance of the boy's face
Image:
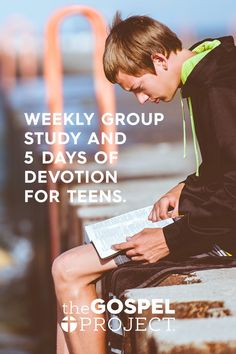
(161, 86)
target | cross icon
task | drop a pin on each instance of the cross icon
(69, 324)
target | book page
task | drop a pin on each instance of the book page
(106, 233)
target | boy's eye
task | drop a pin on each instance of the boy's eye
(138, 89)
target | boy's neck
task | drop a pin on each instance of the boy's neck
(185, 54)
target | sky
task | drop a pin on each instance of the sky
(204, 15)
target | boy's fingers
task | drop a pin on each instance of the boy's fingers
(123, 245)
(163, 210)
(137, 258)
(176, 209)
(174, 212)
(133, 237)
(154, 213)
(150, 215)
(131, 253)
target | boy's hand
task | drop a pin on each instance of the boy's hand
(161, 207)
(148, 245)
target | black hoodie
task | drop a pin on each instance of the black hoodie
(209, 201)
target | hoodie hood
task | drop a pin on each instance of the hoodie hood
(214, 68)
(200, 52)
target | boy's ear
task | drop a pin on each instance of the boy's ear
(159, 60)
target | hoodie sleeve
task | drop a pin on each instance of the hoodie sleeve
(216, 217)
(191, 179)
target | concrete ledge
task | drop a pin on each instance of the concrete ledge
(201, 336)
(200, 301)
(194, 295)
(202, 276)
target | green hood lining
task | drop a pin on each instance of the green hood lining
(201, 51)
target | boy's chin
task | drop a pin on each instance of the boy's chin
(168, 99)
(171, 97)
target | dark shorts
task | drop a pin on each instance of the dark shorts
(121, 259)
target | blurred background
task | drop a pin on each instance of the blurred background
(31, 234)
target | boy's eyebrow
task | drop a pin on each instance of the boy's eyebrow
(125, 88)
(128, 89)
(132, 87)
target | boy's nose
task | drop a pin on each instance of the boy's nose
(142, 98)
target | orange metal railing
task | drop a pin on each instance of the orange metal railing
(53, 78)
(53, 66)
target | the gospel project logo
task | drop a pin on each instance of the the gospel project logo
(84, 317)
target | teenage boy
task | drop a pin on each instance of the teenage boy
(145, 57)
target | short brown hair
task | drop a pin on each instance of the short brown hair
(132, 42)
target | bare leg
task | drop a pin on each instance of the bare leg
(74, 273)
(62, 347)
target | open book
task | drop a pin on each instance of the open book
(106, 233)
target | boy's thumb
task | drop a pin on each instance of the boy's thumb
(175, 211)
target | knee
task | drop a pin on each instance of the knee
(63, 269)
(73, 269)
